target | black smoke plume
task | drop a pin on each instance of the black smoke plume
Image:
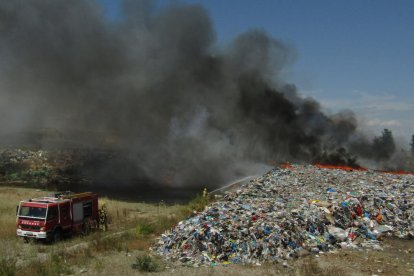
(152, 86)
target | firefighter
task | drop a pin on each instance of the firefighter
(103, 217)
(205, 192)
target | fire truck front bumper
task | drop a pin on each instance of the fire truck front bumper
(31, 234)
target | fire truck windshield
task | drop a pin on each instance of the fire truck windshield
(33, 212)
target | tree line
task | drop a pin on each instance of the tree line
(384, 145)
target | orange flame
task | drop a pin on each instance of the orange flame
(344, 168)
(347, 168)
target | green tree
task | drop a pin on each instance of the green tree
(384, 145)
(412, 144)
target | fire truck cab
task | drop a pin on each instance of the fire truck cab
(48, 218)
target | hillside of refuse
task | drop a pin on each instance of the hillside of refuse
(294, 211)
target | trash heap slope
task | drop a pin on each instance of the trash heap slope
(291, 212)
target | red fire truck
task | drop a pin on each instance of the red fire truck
(49, 218)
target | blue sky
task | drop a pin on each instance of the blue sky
(356, 54)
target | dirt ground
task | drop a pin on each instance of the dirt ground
(396, 258)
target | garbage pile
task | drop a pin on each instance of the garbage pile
(23, 165)
(292, 212)
(41, 168)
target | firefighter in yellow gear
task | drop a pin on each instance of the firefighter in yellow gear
(103, 217)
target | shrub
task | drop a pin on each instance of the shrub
(197, 204)
(145, 228)
(146, 263)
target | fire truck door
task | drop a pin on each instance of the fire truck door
(52, 215)
(65, 219)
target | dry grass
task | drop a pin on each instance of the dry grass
(54, 265)
(139, 244)
(138, 223)
(129, 213)
(310, 266)
(9, 199)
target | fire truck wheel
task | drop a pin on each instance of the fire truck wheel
(57, 235)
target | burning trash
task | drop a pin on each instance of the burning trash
(290, 212)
